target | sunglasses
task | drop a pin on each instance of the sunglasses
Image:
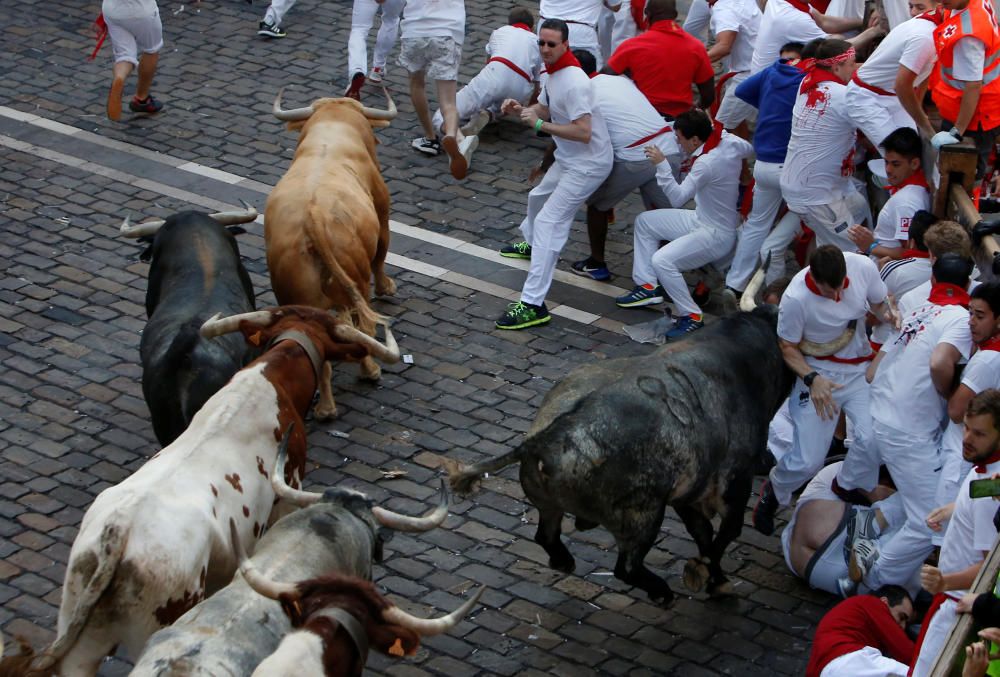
(551, 45)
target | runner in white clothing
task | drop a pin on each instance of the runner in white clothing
(583, 158)
(881, 96)
(362, 19)
(136, 40)
(816, 177)
(511, 72)
(783, 21)
(697, 237)
(971, 531)
(825, 302)
(735, 24)
(913, 378)
(909, 194)
(582, 17)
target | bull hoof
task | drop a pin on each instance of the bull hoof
(721, 588)
(695, 574)
(370, 373)
(584, 524)
(386, 287)
(662, 596)
(566, 565)
(323, 412)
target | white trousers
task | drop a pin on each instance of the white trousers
(876, 115)
(487, 91)
(776, 244)
(605, 32)
(866, 662)
(812, 436)
(552, 205)
(915, 467)
(692, 245)
(734, 110)
(625, 27)
(766, 203)
(277, 10)
(362, 20)
(935, 637)
(830, 221)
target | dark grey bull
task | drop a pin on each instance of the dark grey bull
(231, 632)
(615, 442)
(195, 272)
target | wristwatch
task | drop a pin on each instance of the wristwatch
(809, 378)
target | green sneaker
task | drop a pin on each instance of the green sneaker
(518, 250)
(522, 315)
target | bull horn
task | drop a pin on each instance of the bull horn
(141, 229)
(431, 626)
(378, 113)
(829, 347)
(749, 299)
(245, 215)
(394, 520)
(218, 325)
(292, 115)
(297, 497)
(256, 580)
(386, 353)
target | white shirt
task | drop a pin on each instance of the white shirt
(970, 534)
(902, 394)
(434, 19)
(819, 162)
(568, 95)
(698, 18)
(713, 182)
(519, 46)
(910, 44)
(983, 371)
(897, 12)
(780, 24)
(803, 314)
(128, 9)
(900, 276)
(743, 17)
(894, 220)
(584, 11)
(630, 117)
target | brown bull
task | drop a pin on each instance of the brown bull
(326, 223)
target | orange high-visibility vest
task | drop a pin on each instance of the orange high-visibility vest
(977, 20)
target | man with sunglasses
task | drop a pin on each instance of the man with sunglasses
(566, 109)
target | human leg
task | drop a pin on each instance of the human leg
(388, 31)
(362, 18)
(776, 244)
(650, 229)
(276, 11)
(860, 468)
(766, 203)
(933, 641)
(699, 247)
(418, 95)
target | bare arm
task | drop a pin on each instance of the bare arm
(724, 41)
(835, 24)
(706, 92)
(943, 361)
(578, 130)
(958, 403)
(911, 104)
(821, 390)
(866, 36)
(970, 100)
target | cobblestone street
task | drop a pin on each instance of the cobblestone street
(72, 416)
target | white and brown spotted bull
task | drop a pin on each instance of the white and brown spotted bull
(338, 532)
(154, 545)
(326, 223)
(617, 441)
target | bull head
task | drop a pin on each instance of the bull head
(386, 518)
(300, 114)
(149, 228)
(218, 325)
(393, 614)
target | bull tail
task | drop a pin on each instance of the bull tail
(464, 478)
(367, 318)
(113, 540)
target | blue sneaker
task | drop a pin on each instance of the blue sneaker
(589, 268)
(641, 296)
(685, 325)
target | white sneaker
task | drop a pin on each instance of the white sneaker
(467, 147)
(863, 556)
(378, 72)
(477, 123)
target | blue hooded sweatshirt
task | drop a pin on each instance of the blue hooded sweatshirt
(772, 92)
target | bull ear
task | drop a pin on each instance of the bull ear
(236, 230)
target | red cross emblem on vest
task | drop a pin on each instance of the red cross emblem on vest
(950, 31)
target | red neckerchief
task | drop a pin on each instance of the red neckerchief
(914, 254)
(945, 294)
(101, 29)
(566, 60)
(523, 27)
(637, 9)
(981, 466)
(992, 343)
(714, 139)
(935, 16)
(814, 76)
(811, 286)
(799, 5)
(917, 178)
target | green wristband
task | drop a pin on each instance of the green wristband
(538, 124)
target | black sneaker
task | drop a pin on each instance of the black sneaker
(270, 30)
(522, 315)
(427, 146)
(518, 250)
(147, 105)
(353, 90)
(764, 511)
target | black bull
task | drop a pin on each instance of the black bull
(195, 272)
(615, 442)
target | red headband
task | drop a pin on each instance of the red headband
(836, 60)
